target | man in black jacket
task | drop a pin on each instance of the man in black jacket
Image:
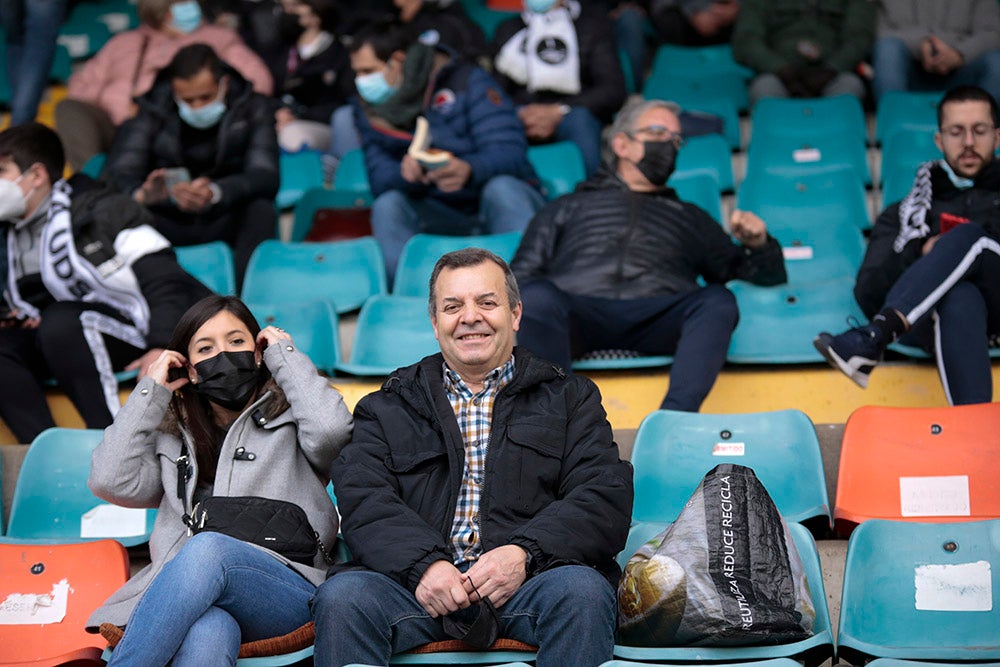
(89, 287)
(931, 275)
(615, 264)
(202, 155)
(477, 479)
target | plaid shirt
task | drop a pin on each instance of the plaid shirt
(475, 417)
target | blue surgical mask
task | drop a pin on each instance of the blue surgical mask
(539, 6)
(203, 117)
(185, 16)
(373, 88)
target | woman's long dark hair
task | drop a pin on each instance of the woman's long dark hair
(193, 411)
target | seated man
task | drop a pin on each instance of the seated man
(487, 185)
(560, 65)
(201, 154)
(89, 287)
(694, 22)
(935, 46)
(931, 275)
(479, 478)
(801, 50)
(615, 264)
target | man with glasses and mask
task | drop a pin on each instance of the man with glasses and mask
(615, 265)
(202, 155)
(931, 275)
(89, 287)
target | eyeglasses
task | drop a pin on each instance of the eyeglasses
(958, 132)
(658, 133)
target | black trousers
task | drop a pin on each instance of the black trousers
(80, 345)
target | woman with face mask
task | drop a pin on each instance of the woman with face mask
(100, 94)
(229, 410)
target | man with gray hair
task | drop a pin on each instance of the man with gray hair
(615, 264)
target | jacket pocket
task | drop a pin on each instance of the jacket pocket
(422, 478)
(538, 450)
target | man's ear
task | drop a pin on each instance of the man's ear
(619, 144)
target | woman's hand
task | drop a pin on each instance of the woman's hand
(270, 335)
(160, 369)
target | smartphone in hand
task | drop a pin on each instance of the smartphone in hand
(175, 175)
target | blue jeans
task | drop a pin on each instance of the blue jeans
(31, 27)
(506, 204)
(366, 617)
(630, 38)
(583, 129)
(343, 132)
(695, 327)
(214, 594)
(951, 297)
(897, 69)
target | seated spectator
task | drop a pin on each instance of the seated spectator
(443, 22)
(537, 564)
(487, 185)
(228, 410)
(694, 22)
(615, 265)
(559, 64)
(101, 295)
(936, 46)
(930, 274)
(201, 154)
(30, 33)
(804, 50)
(312, 74)
(101, 94)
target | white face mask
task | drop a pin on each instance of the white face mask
(13, 203)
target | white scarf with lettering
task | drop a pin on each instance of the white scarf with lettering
(545, 54)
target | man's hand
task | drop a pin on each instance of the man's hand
(715, 17)
(442, 590)
(154, 188)
(540, 120)
(929, 244)
(283, 117)
(193, 197)
(938, 57)
(497, 574)
(143, 363)
(411, 171)
(452, 177)
(748, 229)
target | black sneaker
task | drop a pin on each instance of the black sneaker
(855, 352)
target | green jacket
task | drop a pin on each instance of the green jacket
(768, 32)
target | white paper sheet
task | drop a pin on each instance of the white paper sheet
(961, 587)
(807, 155)
(795, 252)
(113, 521)
(35, 608)
(729, 449)
(934, 496)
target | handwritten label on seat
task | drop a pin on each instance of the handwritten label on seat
(729, 449)
(35, 608)
(962, 587)
(113, 521)
(807, 155)
(934, 496)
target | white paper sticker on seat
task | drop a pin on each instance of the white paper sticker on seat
(964, 587)
(807, 155)
(35, 608)
(794, 252)
(113, 521)
(729, 449)
(934, 496)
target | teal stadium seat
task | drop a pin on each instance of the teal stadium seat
(344, 273)
(795, 157)
(83, 38)
(701, 189)
(422, 251)
(840, 116)
(711, 66)
(299, 172)
(775, 662)
(906, 110)
(700, 95)
(62, 65)
(777, 324)
(819, 254)
(313, 326)
(907, 149)
(352, 175)
(392, 331)
(812, 651)
(315, 199)
(486, 18)
(498, 658)
(52, 503)
(708, 153)
(674, 450)
(804, 201)
(559, 166)
(211, 263)
(608, 360)
(95, 165)
(302, 656)
(921, 591)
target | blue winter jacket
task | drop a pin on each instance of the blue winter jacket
(470, 116)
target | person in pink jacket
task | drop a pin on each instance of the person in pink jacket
(101, 94)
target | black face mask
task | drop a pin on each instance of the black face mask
(228, 379)
(477, 625)
(658, 159)
(289, 28)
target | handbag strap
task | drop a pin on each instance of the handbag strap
(183, 475)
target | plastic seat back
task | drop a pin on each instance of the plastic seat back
(905, 150)
(352, 174)
(720, 97)
(559, 166)
(919, 464)
(829, 199)
(605, 360)
(774, 662)
(921, 591)
(53, 504)
(392, 331)
(701, 189)
(812, 651)
(674, 450)
(299, 172)
(710, 67)
(708, 153)
(819, 153)
(344, 273)
(313, 326)
(422, 252)
(777, 324)
(314, 199)
(211, 263)
(48, 593)
(802, 118)
(906, 110)
(816, 254)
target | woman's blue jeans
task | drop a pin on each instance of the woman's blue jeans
(215, 594)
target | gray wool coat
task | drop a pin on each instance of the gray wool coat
(292, 450)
